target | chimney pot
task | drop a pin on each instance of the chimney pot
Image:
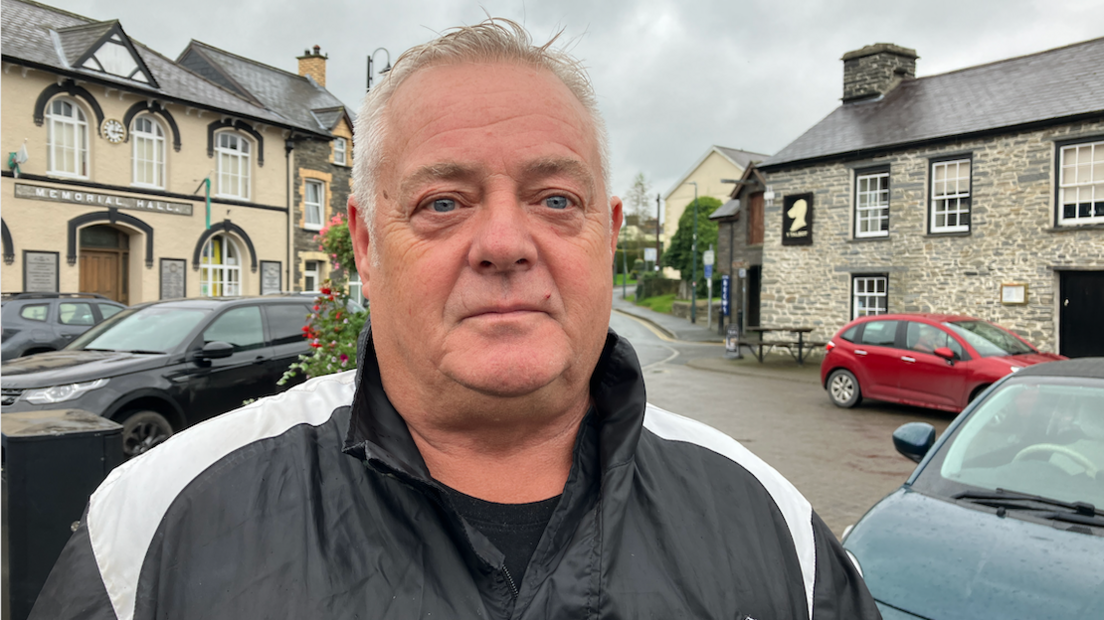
(313, 65)
(317, 49)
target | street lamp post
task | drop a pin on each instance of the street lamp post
(383, 70)
(694, 259)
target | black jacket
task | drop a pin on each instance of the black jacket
(302, 506)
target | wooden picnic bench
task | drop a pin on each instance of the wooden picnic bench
(796, 348)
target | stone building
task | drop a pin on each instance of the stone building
(322, 158)
(740, 245)
(120, 143)
(979, 191)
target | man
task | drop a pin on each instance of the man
(498, 459)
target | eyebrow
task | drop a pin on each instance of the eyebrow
(560, 166)
(534, 170)
(442, 171)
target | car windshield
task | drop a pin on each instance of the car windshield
(1036, 435)
(988, 339)
(152, 329)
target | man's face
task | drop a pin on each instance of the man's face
(493, 234)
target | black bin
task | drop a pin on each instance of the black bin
(52, 462)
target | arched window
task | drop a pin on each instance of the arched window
(233, 154)
(149, 151)
(220, 268)
(67, 138)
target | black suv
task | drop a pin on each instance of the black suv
(40, 322)
(161, 366)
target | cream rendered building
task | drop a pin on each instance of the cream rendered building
(120, 141)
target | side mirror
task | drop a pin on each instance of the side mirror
(946, 353)
(913, 440)
(215, 350)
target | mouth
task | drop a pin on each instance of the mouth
(504, 312)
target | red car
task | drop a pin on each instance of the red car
(940, 361)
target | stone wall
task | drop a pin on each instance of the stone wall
(316, 156)
(876, 69)
(1012, 239)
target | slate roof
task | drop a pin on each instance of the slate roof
(295, 97)
(1050, 85)
(728, 209)
(742, 158)
(38, 35)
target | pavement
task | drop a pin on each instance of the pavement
(775, 365)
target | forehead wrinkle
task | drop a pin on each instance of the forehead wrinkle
(439, 171)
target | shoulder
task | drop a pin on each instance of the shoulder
(125, 512)
(700, 442)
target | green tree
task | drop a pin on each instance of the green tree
(678, 254)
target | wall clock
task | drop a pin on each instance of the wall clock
(113, 130)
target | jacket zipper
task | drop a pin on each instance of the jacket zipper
(513, 588)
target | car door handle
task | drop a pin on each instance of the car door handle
(908, 359)
(260, 359)
(860, 352)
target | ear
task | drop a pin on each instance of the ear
(617, 217)
(361, 245)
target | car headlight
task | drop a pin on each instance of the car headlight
(61, 393)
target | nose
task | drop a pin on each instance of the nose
(502, 241)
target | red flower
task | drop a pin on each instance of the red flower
(316, 345)
(316, 308)
(325, 290)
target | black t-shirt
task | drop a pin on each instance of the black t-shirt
(514, 528)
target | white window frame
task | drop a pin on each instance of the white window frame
(156, 137)
(952, 202)
(872, 204)
(356, 288)
(869, 295)
(222, 278)
(312, 270)
(318, 208)
(1084, 179)
(341, 151)
(236, 148)
(78, 123)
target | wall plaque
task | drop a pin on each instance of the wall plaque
(271, 281)
(97, 199)
(797, 220)
(173, 278)
(40, 272)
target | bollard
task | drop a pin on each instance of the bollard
(52, 462)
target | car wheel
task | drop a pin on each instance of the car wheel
(843, 389)
(143, 430)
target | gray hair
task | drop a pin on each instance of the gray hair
(495, 40)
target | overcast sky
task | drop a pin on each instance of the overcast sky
(673, 76)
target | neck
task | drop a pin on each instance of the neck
(523, 459)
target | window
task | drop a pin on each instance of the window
(75, 314)
(950, 194)
(233, 156)
(67, 139)
(927, 338)
(880, 333)
(220, 268)
(339, 151)
(1081, 184)
(313, 191)
(240, 327)
(149, 152)
(285, 323)
(872, 204)
(869, 296)
(35, 312)
(107, 311)
(310, 275)
(356, 289)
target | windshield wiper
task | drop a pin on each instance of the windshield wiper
(143, 352)
(1082, 512)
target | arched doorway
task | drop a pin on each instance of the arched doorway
(104, 262)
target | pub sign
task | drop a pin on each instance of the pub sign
(797, 220)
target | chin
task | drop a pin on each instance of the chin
(509, 369)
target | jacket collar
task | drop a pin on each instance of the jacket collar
(377, 433)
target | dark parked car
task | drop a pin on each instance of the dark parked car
(1002, 518)
(40, 322)
(940, 361)
(161, 366)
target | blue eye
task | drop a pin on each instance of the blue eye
(444, 205)
(556, 202)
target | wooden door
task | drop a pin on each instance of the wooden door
(1081, 333)
(101, 272)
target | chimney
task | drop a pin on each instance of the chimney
(314, 65)
(876, 69)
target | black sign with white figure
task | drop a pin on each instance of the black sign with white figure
(797, 220)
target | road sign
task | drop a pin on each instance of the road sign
(743, 273)
(708, 271)
(708, 257)
(726, 292)
(649, 255)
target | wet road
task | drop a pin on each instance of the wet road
(843, 460)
